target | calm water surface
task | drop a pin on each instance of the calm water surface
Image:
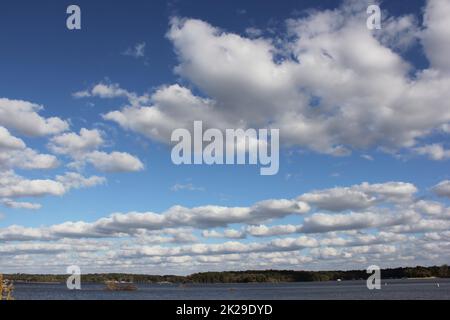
(348, 290)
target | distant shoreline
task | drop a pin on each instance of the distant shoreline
(36, 282)
(212, 283)
(249, 276)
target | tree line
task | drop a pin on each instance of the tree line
(244, 276)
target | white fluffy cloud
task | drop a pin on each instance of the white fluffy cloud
(76, 144)
(23, 116)
(352, 76)
(436, 36)
(106, 90)
(434, 151)
(176, 217)
(278, 230)
(15, 186)
(73, 180)
(19, 233)
(114, 162)
(12, 186)
(27, 159)
(83, 147)
(231, 247)
(339, 199)
(432, 208)
(174, 107)
(359, 197)
(228, 233)
(7, 141)
(442, 189)
(389, 232)
(319, 222)
(14, 153)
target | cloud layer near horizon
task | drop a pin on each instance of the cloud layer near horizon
(393, 226)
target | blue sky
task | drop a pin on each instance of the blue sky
(381, 99)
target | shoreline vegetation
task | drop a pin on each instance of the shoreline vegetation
(6, 289)
(250, 276)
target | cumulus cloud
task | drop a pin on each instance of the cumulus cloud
(227, 233)
(114, 162)
(201, 217)
(231, 247)
(24, 117)
(442, 189)
(404, 217)
(27, 159)
(12, 186)
(32, 248)
(432, 208)
(76, 144)
(393, 191)
(83, 147)
(176, 217)
(436, 35)
(20, 233)
(422, 225)
(14, 153)
(15, 186)
(399, 32)
(7, 141)
(103, 90)
(352, 76)
(73, 180)
(339, 240)
(360, 196)
(265, 231)
(173, 107)
(433, 151)
(107, 90)
(320, 222)
(339, 199)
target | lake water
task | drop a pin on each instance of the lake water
(347, 290)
